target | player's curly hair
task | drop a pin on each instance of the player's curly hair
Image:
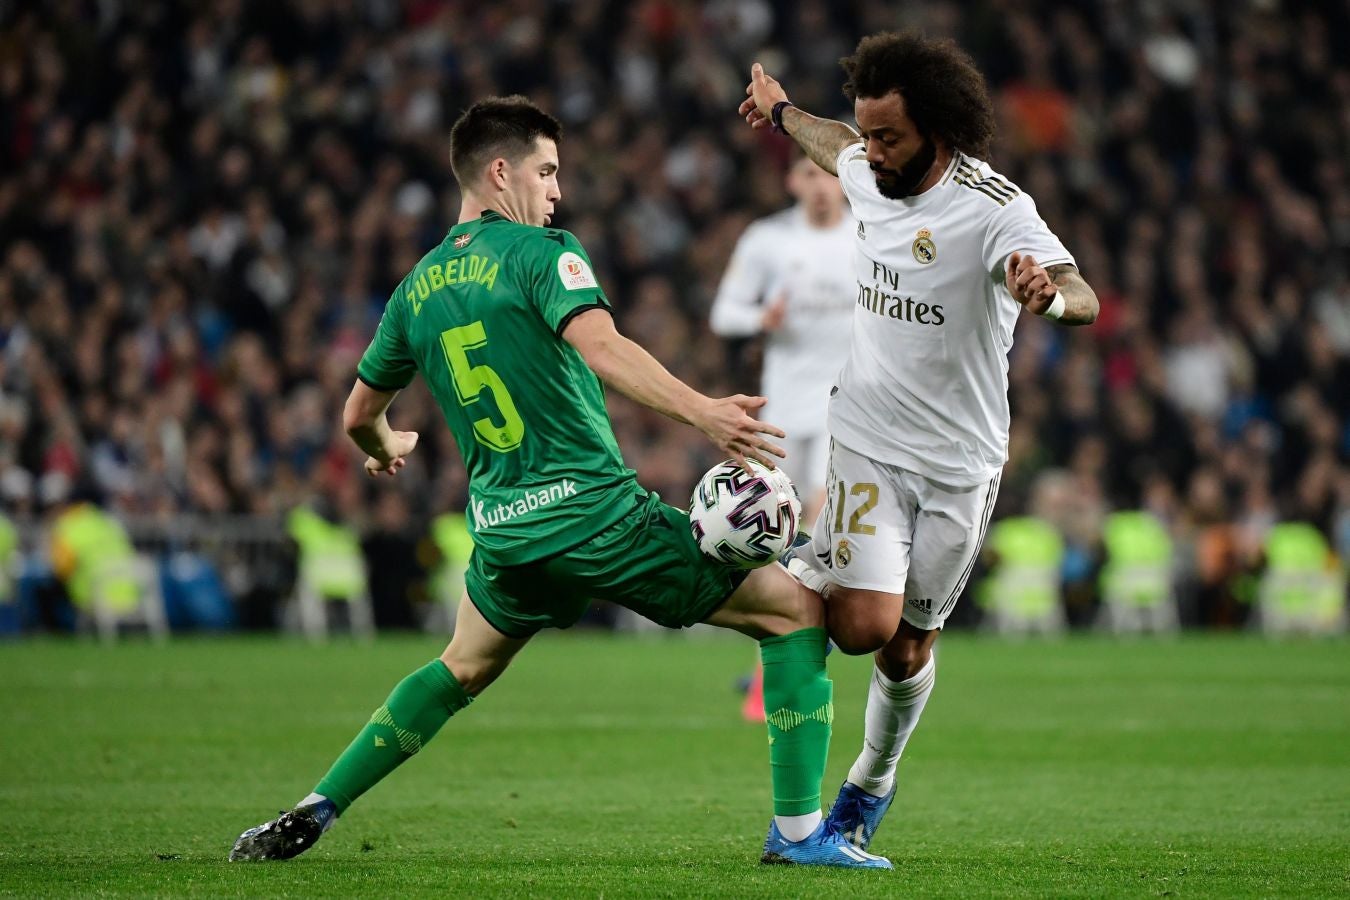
(944, 92)
(498, 126)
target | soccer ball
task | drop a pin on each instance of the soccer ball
(741, 519)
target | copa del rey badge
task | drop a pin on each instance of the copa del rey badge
(575, 274)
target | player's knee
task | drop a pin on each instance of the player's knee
(474, 675)
(861, 621)
(903, 657)
(856, 636)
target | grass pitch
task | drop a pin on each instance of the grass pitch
(603, 766)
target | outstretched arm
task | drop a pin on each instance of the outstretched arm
(635, 373)
(820, 139)
(1040, 289)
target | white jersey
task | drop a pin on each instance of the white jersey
(925, 387)
(784, 256)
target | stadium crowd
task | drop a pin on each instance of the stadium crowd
(203, 208)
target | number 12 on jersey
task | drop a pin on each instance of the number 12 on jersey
(865, 489)
(471, 381)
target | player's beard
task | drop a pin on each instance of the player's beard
(902, 182)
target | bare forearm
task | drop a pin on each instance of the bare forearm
(374, 438)
(365, 420)
(629, 369)
(820, 139)
(1080, 301)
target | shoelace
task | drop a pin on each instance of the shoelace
(848, 809)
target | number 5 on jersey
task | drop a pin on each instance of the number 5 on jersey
(471, 381)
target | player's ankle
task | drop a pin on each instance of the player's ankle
(798, 828)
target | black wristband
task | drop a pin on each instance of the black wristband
(776, 115)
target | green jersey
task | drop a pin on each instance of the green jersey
(481, 317)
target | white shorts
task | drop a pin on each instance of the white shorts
(808, 458)
(887, 529)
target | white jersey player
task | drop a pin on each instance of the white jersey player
(790, 280)
(947, 254)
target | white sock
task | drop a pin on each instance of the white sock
(311, 800)
(797, 828)
(893, 709)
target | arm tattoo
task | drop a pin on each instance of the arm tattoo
(1080, 302)
(820, 139)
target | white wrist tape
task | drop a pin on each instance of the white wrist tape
(1056, 307)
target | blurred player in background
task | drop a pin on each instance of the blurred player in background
(508, 327)
(947, 254)
(790, 280)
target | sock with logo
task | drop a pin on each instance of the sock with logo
(893, 709)
(414, 712)
(798, 709)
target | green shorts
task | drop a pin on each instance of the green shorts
(647, 561)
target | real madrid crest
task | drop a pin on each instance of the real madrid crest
(925, 251)
(842, 554)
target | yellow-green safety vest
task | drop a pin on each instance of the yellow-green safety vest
(330, 555)
(1138, 569)
(450, 534)
(100, 555)
(1301, 579)
(1025, 582)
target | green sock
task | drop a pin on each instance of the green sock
(412, 715)
(799, 708)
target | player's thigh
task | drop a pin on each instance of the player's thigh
(769, 602)
(949, 529)
(808, 463)
(650, 563)
(862, 539)
(816, 457)
(808, 457)
(796, 463)
(862, 536)
(518, 601)
(478, 652)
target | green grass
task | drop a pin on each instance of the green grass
(1209, 766)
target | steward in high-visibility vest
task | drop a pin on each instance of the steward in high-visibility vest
(1136, 580)
(9, 559)
(91, 551)
(450, 534)
(1022, 592)
(1302, 589)
(331, 562)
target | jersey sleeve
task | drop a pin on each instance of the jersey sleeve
(855, 175)
(561, 281)
(1018, 227)
(387, 364)
(737, 310)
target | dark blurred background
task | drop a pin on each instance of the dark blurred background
(204, 206)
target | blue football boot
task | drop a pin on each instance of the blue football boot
(856, 814)
(822, 847)
(288, 835)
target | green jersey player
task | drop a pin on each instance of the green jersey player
(506, 323)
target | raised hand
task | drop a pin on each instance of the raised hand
(1029, 284)
(761, 94)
